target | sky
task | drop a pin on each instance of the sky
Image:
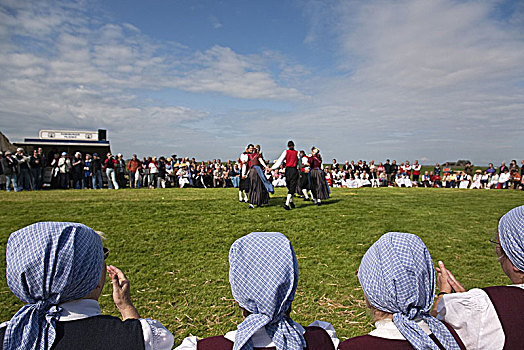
(432, 80)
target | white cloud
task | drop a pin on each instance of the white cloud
(445, 73)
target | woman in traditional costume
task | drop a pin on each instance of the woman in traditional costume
(319, 187)
(259, 185)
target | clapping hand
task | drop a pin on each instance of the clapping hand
(446, 281)
(122, 293)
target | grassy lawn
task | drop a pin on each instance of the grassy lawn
(173, 245)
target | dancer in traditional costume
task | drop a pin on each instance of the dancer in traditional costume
(319, 186)
(303, 182)
(290, 156)
(243, 186)
(259, 185)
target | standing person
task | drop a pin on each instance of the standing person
(88, 181)
(78, 172)
(259, 186)
(64, 167)
(120, 171)
(394, 172)
(290, 156)
(243, 186)
(109, 167)
(319, 187)
(492, 317)
(10, 169)
(387, 170)
(58, 270)
(303, 180)
(416, 171)
(153, 172)
(408, 168)
(24, 170)
(96, 172)
(3, 179)
(36, 164)
(132, 167)
(55, 171)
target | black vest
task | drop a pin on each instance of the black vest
(94, 333)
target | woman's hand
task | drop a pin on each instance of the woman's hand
(122, 293)
(446, 281)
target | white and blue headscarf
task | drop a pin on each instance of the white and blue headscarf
(263, 273)
(398, 277)
(48, 263)
(511, 236)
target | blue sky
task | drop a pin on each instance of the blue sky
(432, 80)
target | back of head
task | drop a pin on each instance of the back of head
(397, 277)
(49, 263)
(511, 236)
(291, 144)
(263, 273)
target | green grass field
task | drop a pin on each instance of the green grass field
(173, 244)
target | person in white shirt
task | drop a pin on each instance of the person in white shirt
(489, 318)
(398, 280)
(263, 274)
(61, 293)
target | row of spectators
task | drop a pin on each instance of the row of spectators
(361, 174)
(21, 171)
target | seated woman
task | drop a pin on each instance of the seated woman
(398, 280)
(58, 270)
(263, 273)
(484, 318)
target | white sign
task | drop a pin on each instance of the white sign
(68, 135)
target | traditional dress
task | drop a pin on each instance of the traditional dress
(259, 186)
(319, 186)
(398, 278)
(263, 273)
(492, 317)
(244, 183)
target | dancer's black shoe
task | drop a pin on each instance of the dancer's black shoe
(292, 205)
(287, 207)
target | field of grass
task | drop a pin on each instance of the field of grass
(173, 244)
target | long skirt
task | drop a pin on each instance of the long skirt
(319, 186)
(258, 193)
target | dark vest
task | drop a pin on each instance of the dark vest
(98, 332)
(509, 304)
(316, 339)
(370, 342)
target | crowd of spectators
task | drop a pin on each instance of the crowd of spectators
(22, 171)
(391, 174)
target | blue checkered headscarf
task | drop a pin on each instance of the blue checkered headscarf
(48, 263)
(263, 273)
(511, 236)
(398, 277)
